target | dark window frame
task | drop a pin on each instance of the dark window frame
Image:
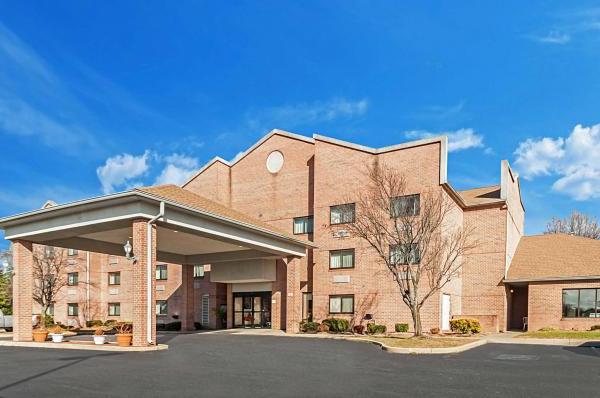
(393, 207)
(75, 307)
(331, 252)
(203, 271)
(310, 225)
(118, 274)
(348, 205)
(159, 271)
(341, 296)
(69, 279)
(72, 252)
(166, 302)
(596, 309)
(114, 305)
(392, 247)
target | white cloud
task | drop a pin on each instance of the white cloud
(304, 113)
(177, 170)
(574, 160)
(553, 37)
(457, 140)
(122, 171)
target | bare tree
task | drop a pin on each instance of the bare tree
(49, 275)
(578, 224)
(412, 235)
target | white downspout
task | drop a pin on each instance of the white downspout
(149, 272)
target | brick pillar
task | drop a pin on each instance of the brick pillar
(294, 297)
(22, 290)
(187, 296)
(139, 283)
(229, 306)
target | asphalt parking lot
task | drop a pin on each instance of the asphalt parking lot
(220, 365)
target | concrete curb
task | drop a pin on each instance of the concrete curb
(419, 350)
(79, 346)
(552, 342)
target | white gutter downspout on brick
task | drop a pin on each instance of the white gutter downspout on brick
(149, 273)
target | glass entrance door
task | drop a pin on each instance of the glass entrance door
(252, 310)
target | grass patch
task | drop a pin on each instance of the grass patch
(422, 342)
(562, 334)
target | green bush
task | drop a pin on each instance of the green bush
(465, 325)
(110, 322)
(595, 327)
(48, 320)
(373, 328)
(93, 323)
(171, 326)
(337, 325)
(309, 327)
(401, 327)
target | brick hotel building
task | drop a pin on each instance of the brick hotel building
(290, 189)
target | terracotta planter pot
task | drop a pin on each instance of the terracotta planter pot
(39, 336)
(124, 340)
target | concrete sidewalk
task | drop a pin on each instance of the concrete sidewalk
(513, 338)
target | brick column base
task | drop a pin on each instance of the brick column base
(229, 306)
(187, 295)
(22, 290)
(140, 283)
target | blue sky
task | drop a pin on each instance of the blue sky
(97, 99)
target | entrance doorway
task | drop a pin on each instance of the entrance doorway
(252, 310)
(518, 301)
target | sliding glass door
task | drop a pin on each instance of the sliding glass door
(252, 310)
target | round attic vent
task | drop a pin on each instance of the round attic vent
(274, 162)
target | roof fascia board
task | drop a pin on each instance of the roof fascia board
(554, 279)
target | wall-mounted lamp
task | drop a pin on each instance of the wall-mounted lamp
(127, 247)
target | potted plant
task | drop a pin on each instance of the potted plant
(56, 332)
(124, 334)
(40, 334)
(99, 337)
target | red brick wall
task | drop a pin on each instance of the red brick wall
(483, 290)
(545, 306)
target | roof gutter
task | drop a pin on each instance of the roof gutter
(553, 279)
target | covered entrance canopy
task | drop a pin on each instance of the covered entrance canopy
(162, 223)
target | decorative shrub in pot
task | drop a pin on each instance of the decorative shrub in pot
(99, 337)
(124, 334)
(57, 334)
(40, 335)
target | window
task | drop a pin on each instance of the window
(405, 254)
(303, 225)
(72, 278)
(114, 309)
(341, 304)
(161, 272)
(72, 252)
(50, 310)
(162, 307)
(341, 214)
(581, 303)
(341, 259)
(73, 309)
(114, 278)
(408, 205)
(198, 271)
(48, 251)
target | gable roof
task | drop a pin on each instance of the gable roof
(555, 257)
(187, 198)
(481, 196)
